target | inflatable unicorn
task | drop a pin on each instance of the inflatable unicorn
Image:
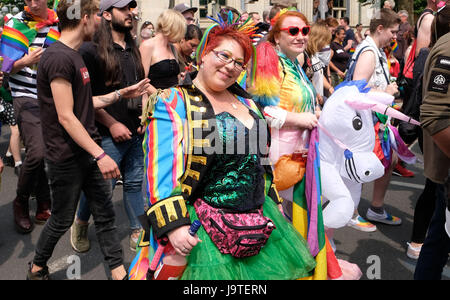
(347, 141)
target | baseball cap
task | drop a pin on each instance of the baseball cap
(107, 4)
(183, 7)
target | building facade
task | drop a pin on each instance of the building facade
(357, 12)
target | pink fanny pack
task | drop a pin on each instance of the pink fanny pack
(241, 234)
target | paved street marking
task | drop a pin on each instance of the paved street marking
(409, 185)
(59, 264)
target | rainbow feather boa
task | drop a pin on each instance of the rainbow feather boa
(267, 83)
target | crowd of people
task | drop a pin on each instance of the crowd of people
(216, 125)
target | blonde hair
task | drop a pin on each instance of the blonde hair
(171, 24)
(319, 37)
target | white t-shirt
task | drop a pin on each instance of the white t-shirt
(317, 80)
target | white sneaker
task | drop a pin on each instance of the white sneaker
(413, 252)
(360, 224)
(383, 218)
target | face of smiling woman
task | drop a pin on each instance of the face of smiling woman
(218, 75)
(290, 45)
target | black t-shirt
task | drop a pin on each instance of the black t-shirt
(60, 61)
(118, 110)
(349, 35)
(340, 56)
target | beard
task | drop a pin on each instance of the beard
(120, 26)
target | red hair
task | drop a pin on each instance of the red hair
(219, 34)
(276, 29)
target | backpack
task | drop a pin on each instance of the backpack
(409, 64)
(409, 132)
(352, 66)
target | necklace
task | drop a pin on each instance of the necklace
(233, 105)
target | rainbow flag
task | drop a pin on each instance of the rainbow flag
(52, 36)
(15, 42)
(352, 50)
(140, 264)
(394, 45)
(307, 216)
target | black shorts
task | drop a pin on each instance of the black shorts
(7, 115)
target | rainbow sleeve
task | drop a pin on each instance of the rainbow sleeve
(164, 157)
(163, 147)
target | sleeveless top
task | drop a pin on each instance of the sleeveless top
(380, 75)
(164, 74)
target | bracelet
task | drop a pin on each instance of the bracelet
(100, 156)
(119, 95)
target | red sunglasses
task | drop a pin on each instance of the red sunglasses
(295, 30)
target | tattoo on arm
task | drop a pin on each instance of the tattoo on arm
(108, 99)
(105, 100)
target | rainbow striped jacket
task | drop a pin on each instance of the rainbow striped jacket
(177, 137)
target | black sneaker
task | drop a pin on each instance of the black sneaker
(17, 170)
(9, 161)
(39, 275)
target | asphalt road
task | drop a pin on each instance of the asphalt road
(380, 255)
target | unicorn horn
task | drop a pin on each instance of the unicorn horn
(391, 112)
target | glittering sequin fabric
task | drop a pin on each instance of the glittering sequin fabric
(237, 179)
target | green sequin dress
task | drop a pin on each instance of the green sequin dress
(236, 181)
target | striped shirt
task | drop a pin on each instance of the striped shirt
(23, 83)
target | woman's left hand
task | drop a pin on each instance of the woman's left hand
(182, 241)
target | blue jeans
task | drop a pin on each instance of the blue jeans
(67, 180)
(434, 254)
(129, 156)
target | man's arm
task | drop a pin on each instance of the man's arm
(134, 91)
(442, 140)
(63, 98)
(331, 66)
(424, 33)
(27, 60)
(349, 45)
(119, 132)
